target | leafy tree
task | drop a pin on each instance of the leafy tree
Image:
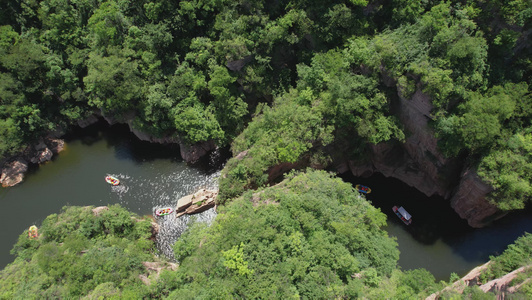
(79, 253)
(107, 25)
(113, 82)
(309, 232)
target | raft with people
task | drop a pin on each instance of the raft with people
(163, 211)
(33, 232)
(363, 189)
(112, 180)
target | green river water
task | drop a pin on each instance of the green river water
(154, 176)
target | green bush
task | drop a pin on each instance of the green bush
(79, 254)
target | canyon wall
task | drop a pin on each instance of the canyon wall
(13, 169)
(189, 153)
(418, 163)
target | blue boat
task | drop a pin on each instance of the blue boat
(363, 189)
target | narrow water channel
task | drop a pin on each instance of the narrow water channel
(151, 176)
(438, 240)
(154, 176)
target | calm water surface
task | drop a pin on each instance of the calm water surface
(151, 176)
(438, 240)
(154, 176)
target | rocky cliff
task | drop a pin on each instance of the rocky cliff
(503, 287)
(14, 168)
(418, 163)
(189, 153)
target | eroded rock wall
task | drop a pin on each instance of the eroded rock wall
(418, 163)
(189, 153)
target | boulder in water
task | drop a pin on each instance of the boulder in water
(13, 172)
(196, 203)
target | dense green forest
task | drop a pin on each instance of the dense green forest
(279, 82)
(296, 75)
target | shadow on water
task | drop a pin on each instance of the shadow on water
(432, 217)
(438, 239)
(125, 144)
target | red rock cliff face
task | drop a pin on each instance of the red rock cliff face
(469, 200)
(418, 163)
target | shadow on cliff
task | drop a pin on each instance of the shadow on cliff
(433, 219)
(128, 147)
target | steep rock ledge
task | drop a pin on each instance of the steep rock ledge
(418, 163)
(469, 200)
(189, 153)
(502, 287)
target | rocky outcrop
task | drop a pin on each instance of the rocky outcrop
(44, 150)
(13, 172)
(13, 169)
(500, 286)
(470, 279)
(98, 210)
(469, 200)
(43, 154)
(418, 163)
(237, 65)
(154, 269)
(92, 119)
(55, 145)
(189, 153)
(196, 203)
(192, 153)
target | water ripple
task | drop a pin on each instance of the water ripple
(171, 228)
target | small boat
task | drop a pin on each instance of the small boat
(33, 232)
(402, 214)
(363, 189)
(112, 180)
(164, 211)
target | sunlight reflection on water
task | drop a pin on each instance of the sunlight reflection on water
(171, 228)
(164, 190)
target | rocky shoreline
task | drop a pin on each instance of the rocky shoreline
(15, 167)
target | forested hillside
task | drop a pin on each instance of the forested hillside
(200, 70)
(282, 83)
(312, 236)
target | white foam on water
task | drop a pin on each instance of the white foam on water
(164, 190)
(171, 228)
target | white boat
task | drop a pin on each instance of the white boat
(403, 214)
